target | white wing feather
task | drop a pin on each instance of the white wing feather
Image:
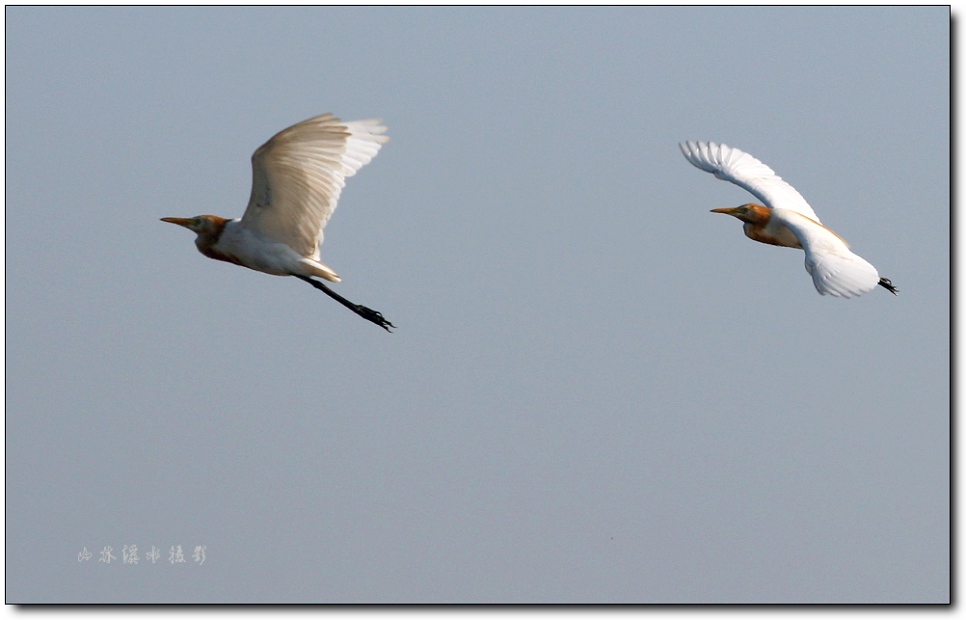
(297, 177)
(731, 164)
(834, 268)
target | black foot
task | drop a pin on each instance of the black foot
(371, 315)
(366, 313)
(886, 283)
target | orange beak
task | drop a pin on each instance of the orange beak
(180, 221)
(726, 210)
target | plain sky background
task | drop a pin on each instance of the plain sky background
(597, 392)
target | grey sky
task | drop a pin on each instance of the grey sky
(598, 391)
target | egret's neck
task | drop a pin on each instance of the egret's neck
(772, 231)
(208, 237)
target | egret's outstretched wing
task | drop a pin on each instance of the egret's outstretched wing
(744, 170)
(834, 268)
(298, 174)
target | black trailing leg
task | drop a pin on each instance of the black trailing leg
(366, 313)
(886, 283)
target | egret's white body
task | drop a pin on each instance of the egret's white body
(251, 248)
(297, 177)
(787, 220)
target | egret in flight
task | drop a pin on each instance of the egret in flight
(786, 220)
(296, 180)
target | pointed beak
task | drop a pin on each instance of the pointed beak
(180, 221)
(726, 210)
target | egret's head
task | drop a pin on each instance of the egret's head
(751, 213)
(201, 224)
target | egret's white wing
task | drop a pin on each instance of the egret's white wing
(745, 171)
(297, 177)
(834, 268)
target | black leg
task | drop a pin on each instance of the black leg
(366, 313)
(886, 283)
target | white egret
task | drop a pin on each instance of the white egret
(786, 220)
(296, 180)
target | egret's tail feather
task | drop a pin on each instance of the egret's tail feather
(321, 271)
